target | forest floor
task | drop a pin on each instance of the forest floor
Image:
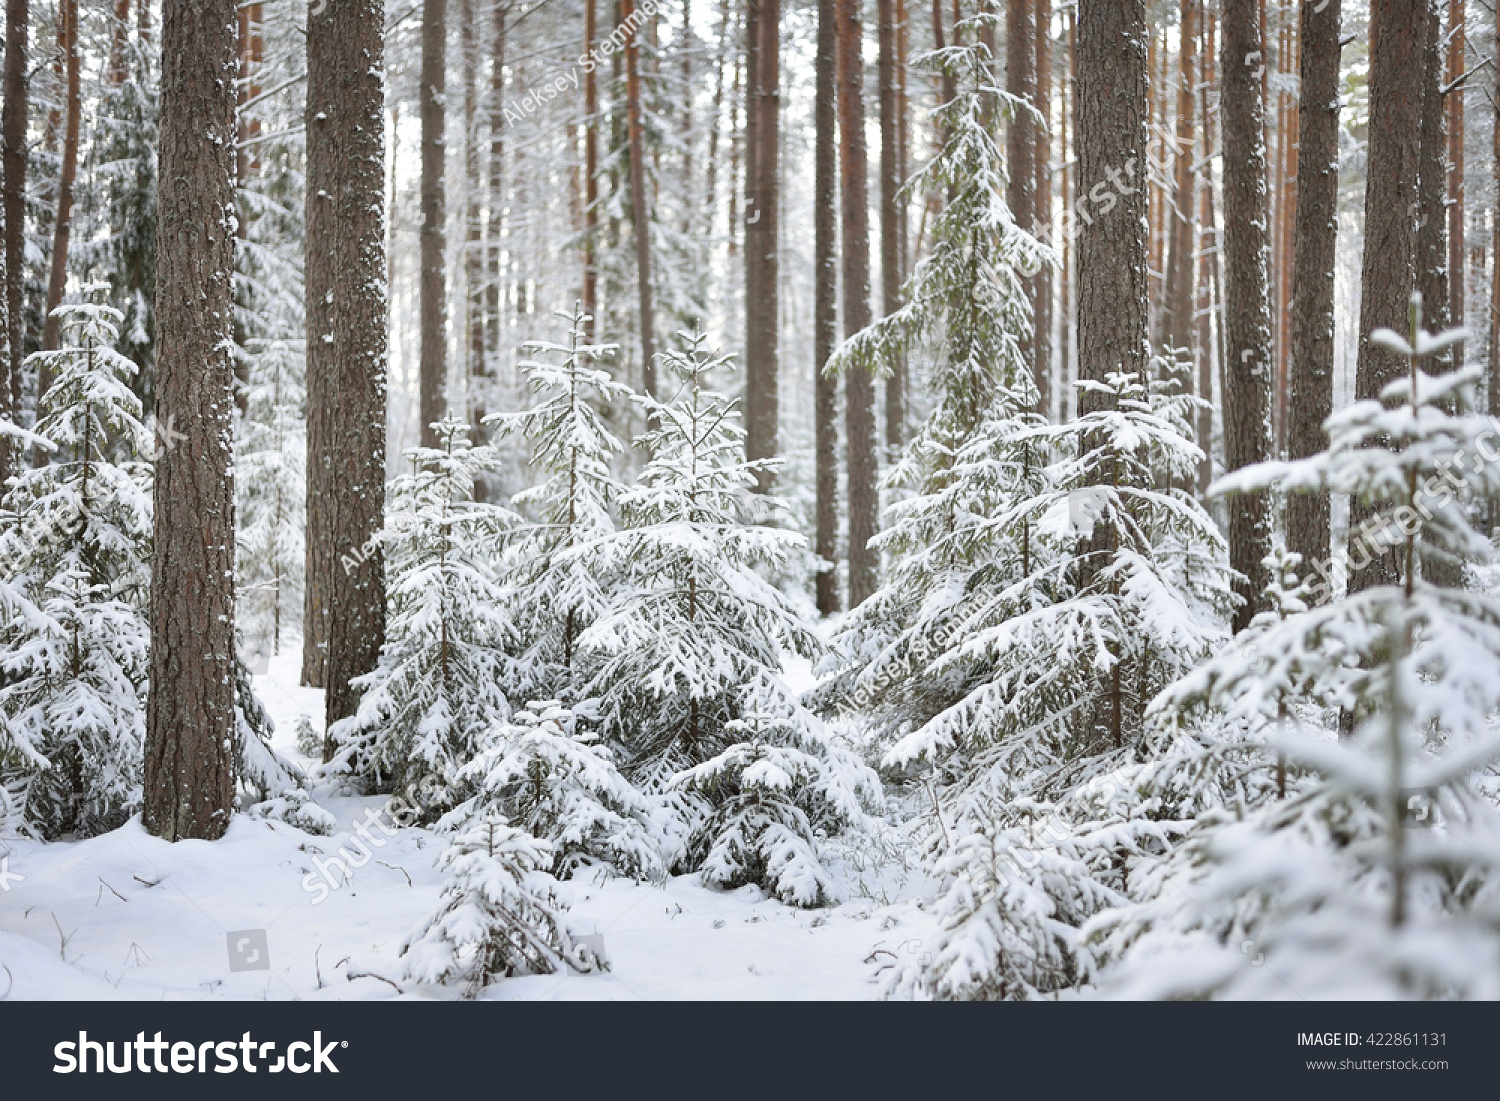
(126, 915)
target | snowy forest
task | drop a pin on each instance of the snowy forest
(510, 499)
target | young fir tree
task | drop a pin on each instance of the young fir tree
(1365, 867)
(1038, 813)
(544, 771)
(967, 315)
(499, 915)
(75, 675)
(780, 787)
(441, 684)
(694, 636)
(558, 591)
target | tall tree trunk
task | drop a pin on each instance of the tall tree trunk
(639, 215)
(1208, 268)
(494, 326)
(1020, 81)
(825, 306)
(891, 273)
(1041, 284)
(13, 197)
(474, 266)
(1388, 270)
(62, 228)
(1111, 146)
(1455, 104)
(1312, 312)
(1432, 185)
(762, 262)
(590, 170)
(119, 31)
(1177, 301)
(1247, 307)
(247, 164)
(190, 708)
(1067, 297)
(346, 217)
(8, 449)
(433, 370)
(859, 389)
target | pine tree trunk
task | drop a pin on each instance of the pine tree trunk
(13, 167)
(1020, 80)
(640, 218)
(1388, 269)
(8, 449)
(1455, 105)
(493, 248)
(433, 370)
(1208, 268)
(1041, 284)
(1111, 146)
(118, 31)
(1178, 295)
(859, 393)
(346, 217)
(1312, 310)
(825, 306)
(247, 165)
(62, 228)
(590, 170)
(762, 264)
(891, 273)
(1247, 306)
(474, 359)
(1067, 297)
(1432, 186)
(190, 716)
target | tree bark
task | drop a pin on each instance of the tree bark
(1247, 308)
(762, 262)
(1432, 185)
(640, 218)
(433, 370)
(1177, 300)
(1312, 311)
(1021, 135)
(590, 163)
(891, 271)
(1111, 147)
(1041, 284)
(1455, 106)
(859, 393)
(346, 219)
(493, 302)
(62, 228)
(1208, 267)
(13, 196)
(825, 306)
(1388, 269)
(190, 709)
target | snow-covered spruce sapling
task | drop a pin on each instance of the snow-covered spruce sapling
(441, 684)
(692, 622)
(694, 629)
(272, 786)
(546, 772)
(1374, 872)
(778, 788)
(559, 592)
(1124, 589)
(79, 550)
(499, 915)
(966, 313)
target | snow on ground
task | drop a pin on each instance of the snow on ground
(126, 915)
